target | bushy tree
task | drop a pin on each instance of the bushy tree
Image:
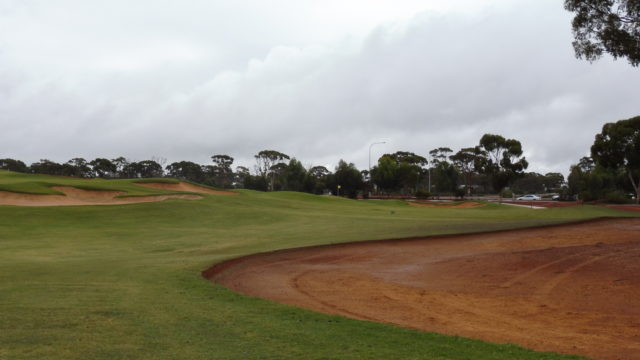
(349, 178)
(315, 181)
(401, 170)
(45, 166)
(501, 159)
(186, 170)
(445, 178)
(265, 162)
(465, 161)
(221, 171)
(617, 148)
(13, 165)
(103, 168)
(294, 174)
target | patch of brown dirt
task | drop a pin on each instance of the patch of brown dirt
(75, 197)
(635, 208)
(186, 187)
(569, 289)
(543, 203)
(462, 205)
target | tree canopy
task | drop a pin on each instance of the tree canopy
(617, 147)
(611, 26)
(501, 159)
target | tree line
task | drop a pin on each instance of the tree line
(495, 165)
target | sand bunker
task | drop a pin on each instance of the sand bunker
(74, 197)
(186, 187)
(570, 289)
(462, 205)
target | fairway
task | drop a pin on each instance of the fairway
(123, 281)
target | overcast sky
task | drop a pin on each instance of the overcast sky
(318, 80)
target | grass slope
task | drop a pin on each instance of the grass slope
(42, 184)
(123, 281)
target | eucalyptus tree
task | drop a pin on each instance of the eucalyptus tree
(617, 148)
(501, 159)
(606, 26)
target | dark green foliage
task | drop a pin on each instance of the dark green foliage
(445, 178)
(13, 165)
(501, 159)
(266, 165)
(220, 174)
(348, 177)
(186, 170)
(45, 166)
(401, 171)
(315, 181)
(295, 175)
(617, 149)
(536, 183)
(465, 161)
(611, 26)
(103, 168)
(142, 169)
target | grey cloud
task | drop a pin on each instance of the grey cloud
(436, 80)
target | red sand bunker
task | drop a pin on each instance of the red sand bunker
(74, 196)
(186, 187)
(569, 289)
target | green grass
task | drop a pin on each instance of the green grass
(123, 282)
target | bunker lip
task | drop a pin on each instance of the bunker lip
(78, 197)
(566, 288)
(185, 187)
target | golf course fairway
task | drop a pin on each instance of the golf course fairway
(124, 281)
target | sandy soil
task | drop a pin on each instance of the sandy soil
(569, 289)
(462, 205)
(74, 197)
(186, 187)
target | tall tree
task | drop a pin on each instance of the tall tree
(186, 170)
(77, 167)
(103, 168)
(465, 161)
(223, 174)
(439, 154)
(316, 179)
(295, 175)
(265, 160)
(13, 165)
(501, 159)
(617, 147)
(349, 178)
(611, 26)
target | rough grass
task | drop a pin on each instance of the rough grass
(123, 281)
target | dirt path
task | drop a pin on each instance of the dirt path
(569, 289)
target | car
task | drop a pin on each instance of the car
(529, 197)
(555, 197)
